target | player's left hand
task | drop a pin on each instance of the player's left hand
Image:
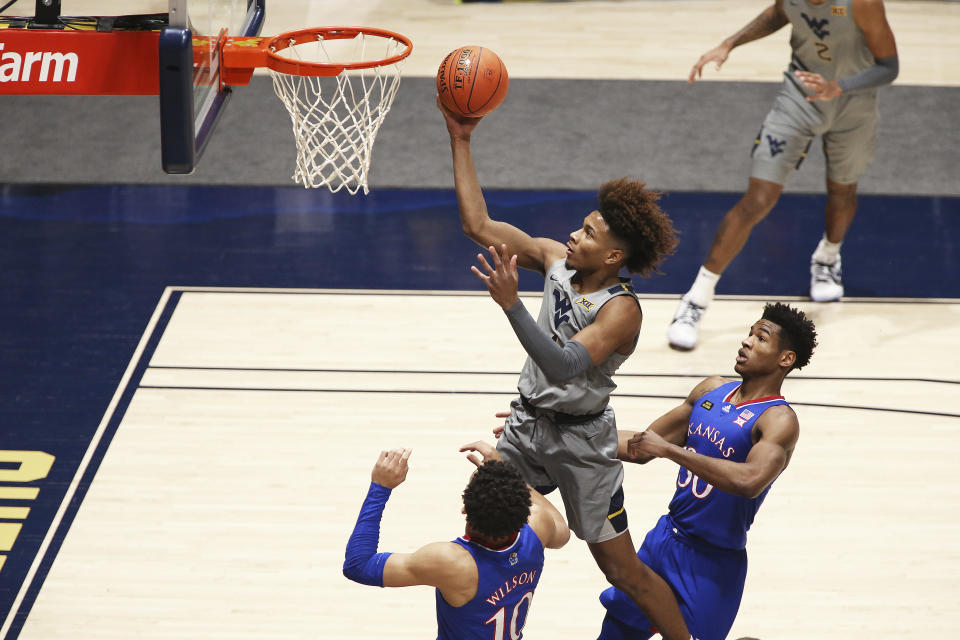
(646, 444)
(502, 278)
(822, 89)
(485, 449)
(391, 468)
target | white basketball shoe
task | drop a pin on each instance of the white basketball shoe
(682, 333)
(826, 282)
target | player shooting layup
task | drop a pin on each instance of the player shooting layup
(561, 431)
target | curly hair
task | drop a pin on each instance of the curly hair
(632, 213)
(797, 331)
(497, 500)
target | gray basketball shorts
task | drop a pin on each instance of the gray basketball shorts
(579, 459)
(848, 130)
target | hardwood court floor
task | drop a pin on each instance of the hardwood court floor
(223, 505)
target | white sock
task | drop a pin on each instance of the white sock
(827, 252)
(701, 293)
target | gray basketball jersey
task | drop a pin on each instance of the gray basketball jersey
(563, 314)
(825, 40)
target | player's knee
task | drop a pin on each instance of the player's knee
(629, 580)
(754, 207)
(841, 195)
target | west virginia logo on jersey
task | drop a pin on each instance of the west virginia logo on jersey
(776, 145)
(816, 25)
(561, 309)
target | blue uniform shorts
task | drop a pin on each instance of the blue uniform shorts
(707, 581)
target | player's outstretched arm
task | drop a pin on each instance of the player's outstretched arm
(771, 20)
(778, 433)
(557, 363)
(545, 520)
(671, 426)
(443, 565)
(532, 253)
(362, 563)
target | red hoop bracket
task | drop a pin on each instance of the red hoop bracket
(240, 56)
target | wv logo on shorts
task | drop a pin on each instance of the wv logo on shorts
(817, 26)
(561, 309)
(776, 146)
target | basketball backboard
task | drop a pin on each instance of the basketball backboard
(191, 94)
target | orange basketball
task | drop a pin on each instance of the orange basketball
(472, 81)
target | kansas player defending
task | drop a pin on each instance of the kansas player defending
(561, 431)
(842, 51)
(731, 440)
(484, 579)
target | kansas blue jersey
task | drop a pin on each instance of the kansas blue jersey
(506, 579)
(719, 429)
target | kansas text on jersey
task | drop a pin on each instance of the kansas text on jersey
(719, 429)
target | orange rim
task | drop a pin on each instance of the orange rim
(290, 66)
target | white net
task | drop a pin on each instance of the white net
(336, 119)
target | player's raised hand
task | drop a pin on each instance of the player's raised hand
(485, 449)
(822, 89)
(717, 55)
(458, 126)
(391, 468)
(502, 278)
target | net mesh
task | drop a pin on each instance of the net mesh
(336, 119)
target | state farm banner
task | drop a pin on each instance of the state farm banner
(41, 61)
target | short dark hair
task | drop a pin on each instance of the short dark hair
(632, 213)
(797, 332)
(497, 500)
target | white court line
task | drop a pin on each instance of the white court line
(538, 293)
(84, 463)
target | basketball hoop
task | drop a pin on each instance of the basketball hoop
(337, 83)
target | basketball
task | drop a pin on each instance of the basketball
(472, 81)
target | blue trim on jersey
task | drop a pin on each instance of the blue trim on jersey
(719, 429)
(506, 579)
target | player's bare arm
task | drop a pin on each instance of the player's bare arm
(771, 20)
(671, 426)
(545, 520)
(614, 329)
(532, 253)
(870, 16)
(443, 565)
(775, 433)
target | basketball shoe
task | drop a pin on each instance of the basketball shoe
(682, 333)
(826, 284)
